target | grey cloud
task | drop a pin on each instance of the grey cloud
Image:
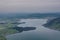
(29, 6)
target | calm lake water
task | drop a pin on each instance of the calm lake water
(41, 32)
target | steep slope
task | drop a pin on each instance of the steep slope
(53, 24)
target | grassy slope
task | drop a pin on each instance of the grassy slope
(6, 29)
(2, 37)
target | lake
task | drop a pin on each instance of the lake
(40, 33)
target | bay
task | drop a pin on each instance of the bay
(40, 33)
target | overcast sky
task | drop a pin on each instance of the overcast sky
(29, 6)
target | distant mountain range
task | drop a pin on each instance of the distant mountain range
(28, 15)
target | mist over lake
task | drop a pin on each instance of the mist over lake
(40, 33)
(29, 19)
